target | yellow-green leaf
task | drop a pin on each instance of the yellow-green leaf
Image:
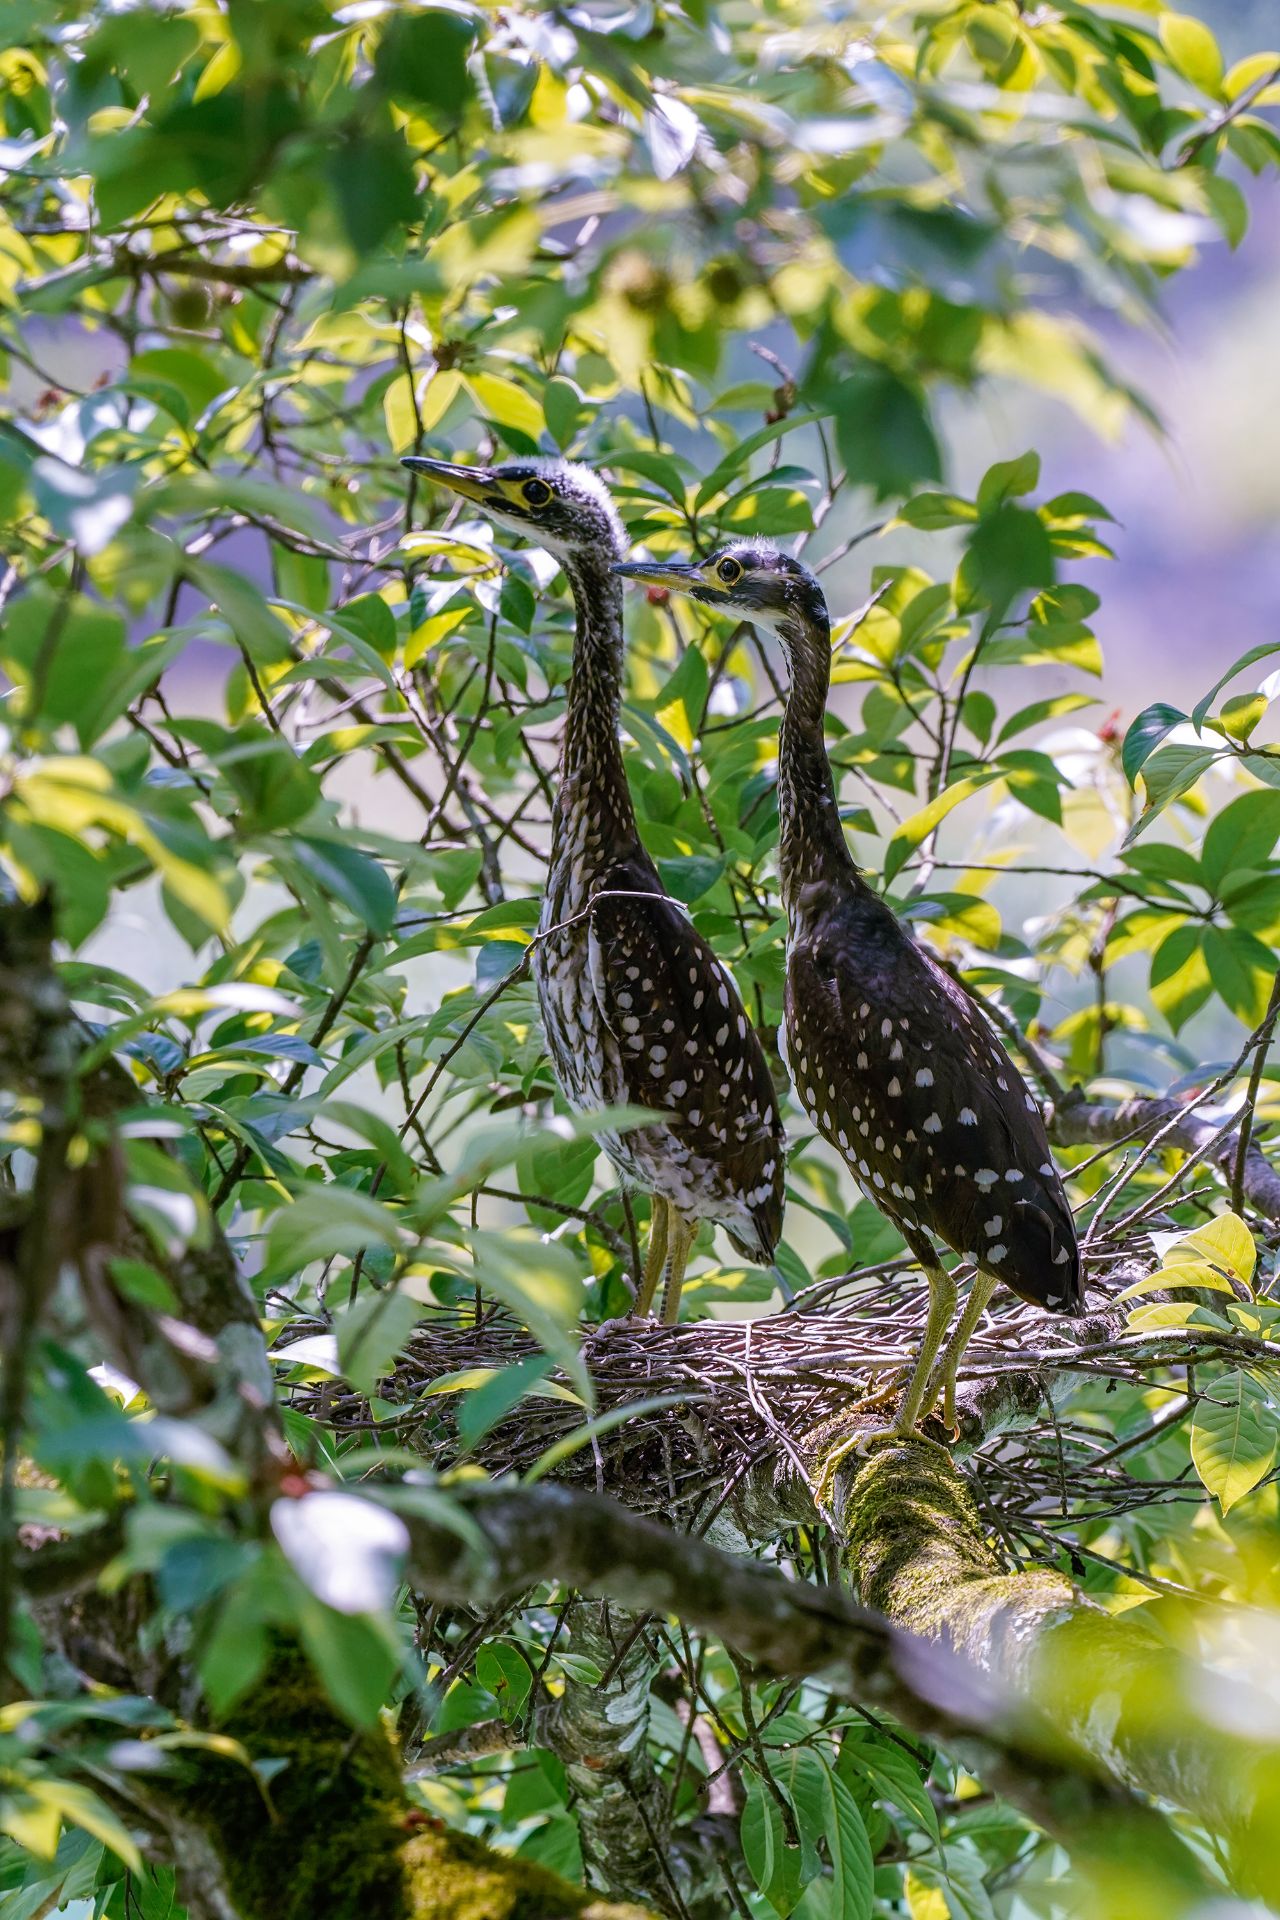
(1192, 1273)
(508, 404)
(1193, 50)
(921, 825)
(1225, 1240)
(1158, 1315)
(1233, 1438)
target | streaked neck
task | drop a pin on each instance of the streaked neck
(812, 849)
(591, 757)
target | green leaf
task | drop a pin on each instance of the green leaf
(1242, 971)
(323, 1222)
(260, 632)
(891, 1774)
(274, 786)
(64, 654)
(1007, 480)
(538, 1281)
(959, 1882)
(1009, 554)
(1243, 835)
(775, 1867)
(1145, 734)
(503, 1670)
(1233, 1437)
(423, 56)
(849, 1848)
(1041, 710)
(371, 1333)
(929, 511)
(483, 1406)
(884, 434)
(1203, 706)
(562, 406)
(1167, 775)
(350, 876)
(1180, 979)
(355, 1660)
(371, 180)
(920, 825)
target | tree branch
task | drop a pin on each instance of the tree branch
(1088, 1123)
(536, 1534)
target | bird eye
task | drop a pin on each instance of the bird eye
(536, 492)
(729, 572)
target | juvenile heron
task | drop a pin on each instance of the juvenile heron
(891, 1059)
(637, 1008)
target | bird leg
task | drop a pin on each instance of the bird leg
(655, 1257)
(944, 1378)
(682, 1238)
(942, 1304)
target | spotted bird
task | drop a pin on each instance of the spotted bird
(637, 1008)
(892, 1060)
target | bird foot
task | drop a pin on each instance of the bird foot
(866, 1442)
(624, 1323)
(900, 1429)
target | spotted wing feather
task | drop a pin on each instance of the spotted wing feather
(899, 1070)
(688, 1049)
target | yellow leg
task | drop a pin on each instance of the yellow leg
(942, 1304)
(655, 1256)
(944, 1379)
(682, 1237)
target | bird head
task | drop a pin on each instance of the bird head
(555, 503)
(748, 579)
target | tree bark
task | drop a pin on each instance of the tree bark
(600, 1730)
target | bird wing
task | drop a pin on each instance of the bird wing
(687, 1046)
(900, 1070)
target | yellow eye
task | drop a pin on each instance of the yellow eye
(729, 571)
(536, 492)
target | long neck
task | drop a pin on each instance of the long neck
(812, 849)
(591, 758)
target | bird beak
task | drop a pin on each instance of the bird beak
(678, 577)
(473, 483)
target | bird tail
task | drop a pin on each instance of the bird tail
(759, 1243)
(1052, 1274)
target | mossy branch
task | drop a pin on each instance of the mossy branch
(324, 1832)
(1120, 1697)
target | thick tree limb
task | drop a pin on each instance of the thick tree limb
(537, 1534)
(1115, 1691)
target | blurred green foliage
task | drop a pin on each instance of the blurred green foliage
(268, 706)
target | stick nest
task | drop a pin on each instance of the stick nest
(740, 1399)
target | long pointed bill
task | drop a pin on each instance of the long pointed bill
(677, 576)
(473, 483)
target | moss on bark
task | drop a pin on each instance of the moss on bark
(920, 1556)
(324, 1842)
(450, 1876)
(332, 1837)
